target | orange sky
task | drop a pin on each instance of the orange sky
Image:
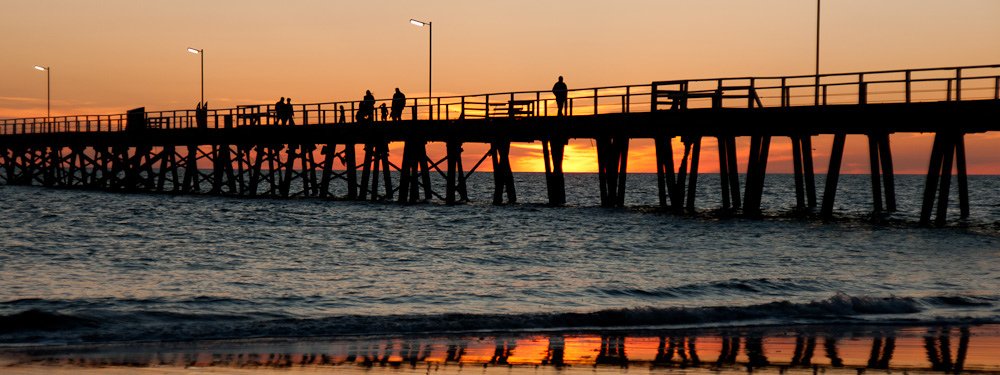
(111, 55)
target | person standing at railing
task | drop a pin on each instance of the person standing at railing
(366, 110)
(279, 111)
(398, 103)
(289, 112)
(343, 114)
(201, 115)
(384, 111)
(560, 91)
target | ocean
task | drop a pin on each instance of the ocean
(89, 267)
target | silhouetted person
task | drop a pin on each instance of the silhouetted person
(560, 91)
(279, 110)
(289, 112)
(282, 112)
(367, 107)
(398, 103)
(343, 115)
(384, 111)
(201, 115)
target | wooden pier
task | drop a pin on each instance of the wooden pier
(244, 152)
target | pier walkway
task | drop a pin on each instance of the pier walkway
(242, 151)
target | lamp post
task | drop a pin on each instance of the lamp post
(200, 52)
(48, 88)
(430, 61)
(817, 50)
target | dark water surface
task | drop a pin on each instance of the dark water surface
(82, 266)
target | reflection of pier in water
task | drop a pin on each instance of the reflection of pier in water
(931, 349)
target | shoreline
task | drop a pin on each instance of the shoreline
(836, 348)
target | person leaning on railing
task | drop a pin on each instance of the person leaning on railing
(561, 92)
(201, 115)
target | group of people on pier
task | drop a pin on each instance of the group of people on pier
(283, 112)
(366, 111)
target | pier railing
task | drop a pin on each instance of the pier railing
(978, 82)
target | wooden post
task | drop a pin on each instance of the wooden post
(329, 152)
(963, 179)
(677, 195)
(498, 183)
(800, 199)
(386, 169)
(554, 179)
(611, 155)
(888, 175)
(191, 170)
(502, 176)
(230, 177)
(664, 167)
(875, 172)
(833, 175)
(546, 161)
(454, 157)
(366, 172)
(946, 163)
(602, 175)
(693, 179)
(724, 172)
(930, 185)
(734, 172)
(765, 147)
(407, 174)
(622, 164)
(559, 180)
(809, 175)
(288, 167)
(422, 162)
(255, 170)
(351, 164)
(753, 160)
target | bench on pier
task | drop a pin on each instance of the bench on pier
(514, 108)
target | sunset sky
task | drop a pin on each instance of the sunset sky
(111, 55)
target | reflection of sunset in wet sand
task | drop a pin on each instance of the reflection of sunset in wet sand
(936, 349)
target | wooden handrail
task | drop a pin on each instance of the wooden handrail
(954, 78)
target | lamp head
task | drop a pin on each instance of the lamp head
(42, 68)
(194, 51)
(417, 23)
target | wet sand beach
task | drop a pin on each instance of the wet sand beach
(796, 349)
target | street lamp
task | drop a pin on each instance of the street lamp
(817, 51)
(430, 60)
(48, 88)
(202, 53)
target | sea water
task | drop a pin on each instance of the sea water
(89, 266)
